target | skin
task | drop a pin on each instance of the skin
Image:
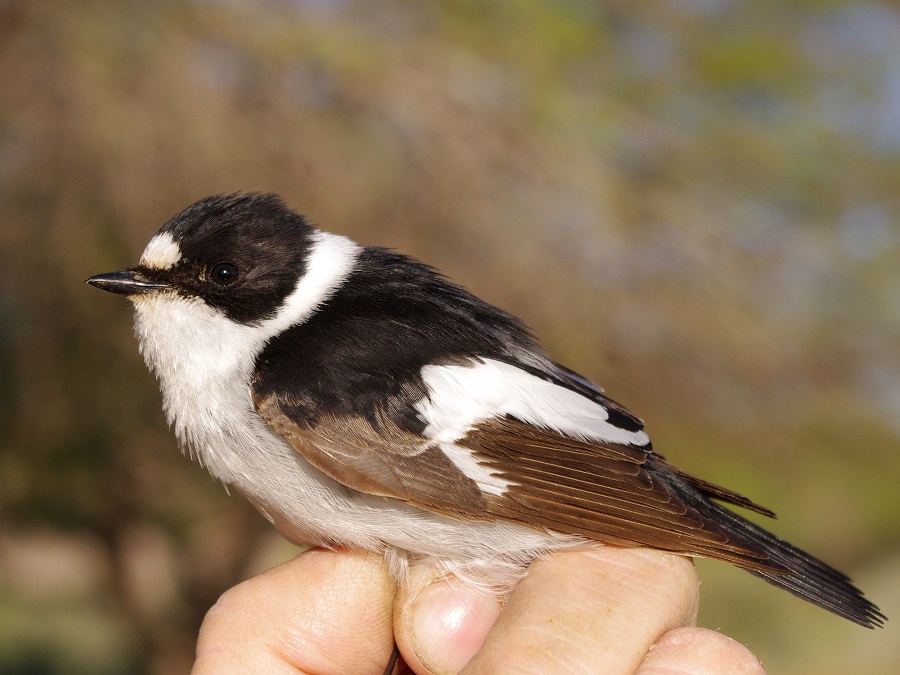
(609, 610)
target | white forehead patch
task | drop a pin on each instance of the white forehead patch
(162, 252)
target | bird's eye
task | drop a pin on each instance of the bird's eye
(224, 273)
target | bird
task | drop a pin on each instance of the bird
(359, 399)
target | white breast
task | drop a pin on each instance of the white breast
(204, 362)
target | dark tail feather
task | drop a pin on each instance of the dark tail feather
(801, 574)
(713, 491)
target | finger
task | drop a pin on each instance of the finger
(440, 624)
(322, 612)
(598, 610)
(698, 651)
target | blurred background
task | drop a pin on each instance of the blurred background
(694, 202)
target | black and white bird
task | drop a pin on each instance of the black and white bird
(360, 399)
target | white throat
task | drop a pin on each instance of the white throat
(204, 360)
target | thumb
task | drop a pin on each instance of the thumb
(439, 622)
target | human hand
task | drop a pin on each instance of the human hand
(606, 609)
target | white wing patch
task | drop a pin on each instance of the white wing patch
(460, 397)
(489, 481)
(162, 252)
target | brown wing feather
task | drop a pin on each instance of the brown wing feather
(386, 461)
(613, 493)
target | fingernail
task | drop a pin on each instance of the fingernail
(449, 623)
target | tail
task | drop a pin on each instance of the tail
(772, 559)
(799, 573)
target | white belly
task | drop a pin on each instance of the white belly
(206, 396)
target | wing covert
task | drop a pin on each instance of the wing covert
(499, 442)
(377, 457)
